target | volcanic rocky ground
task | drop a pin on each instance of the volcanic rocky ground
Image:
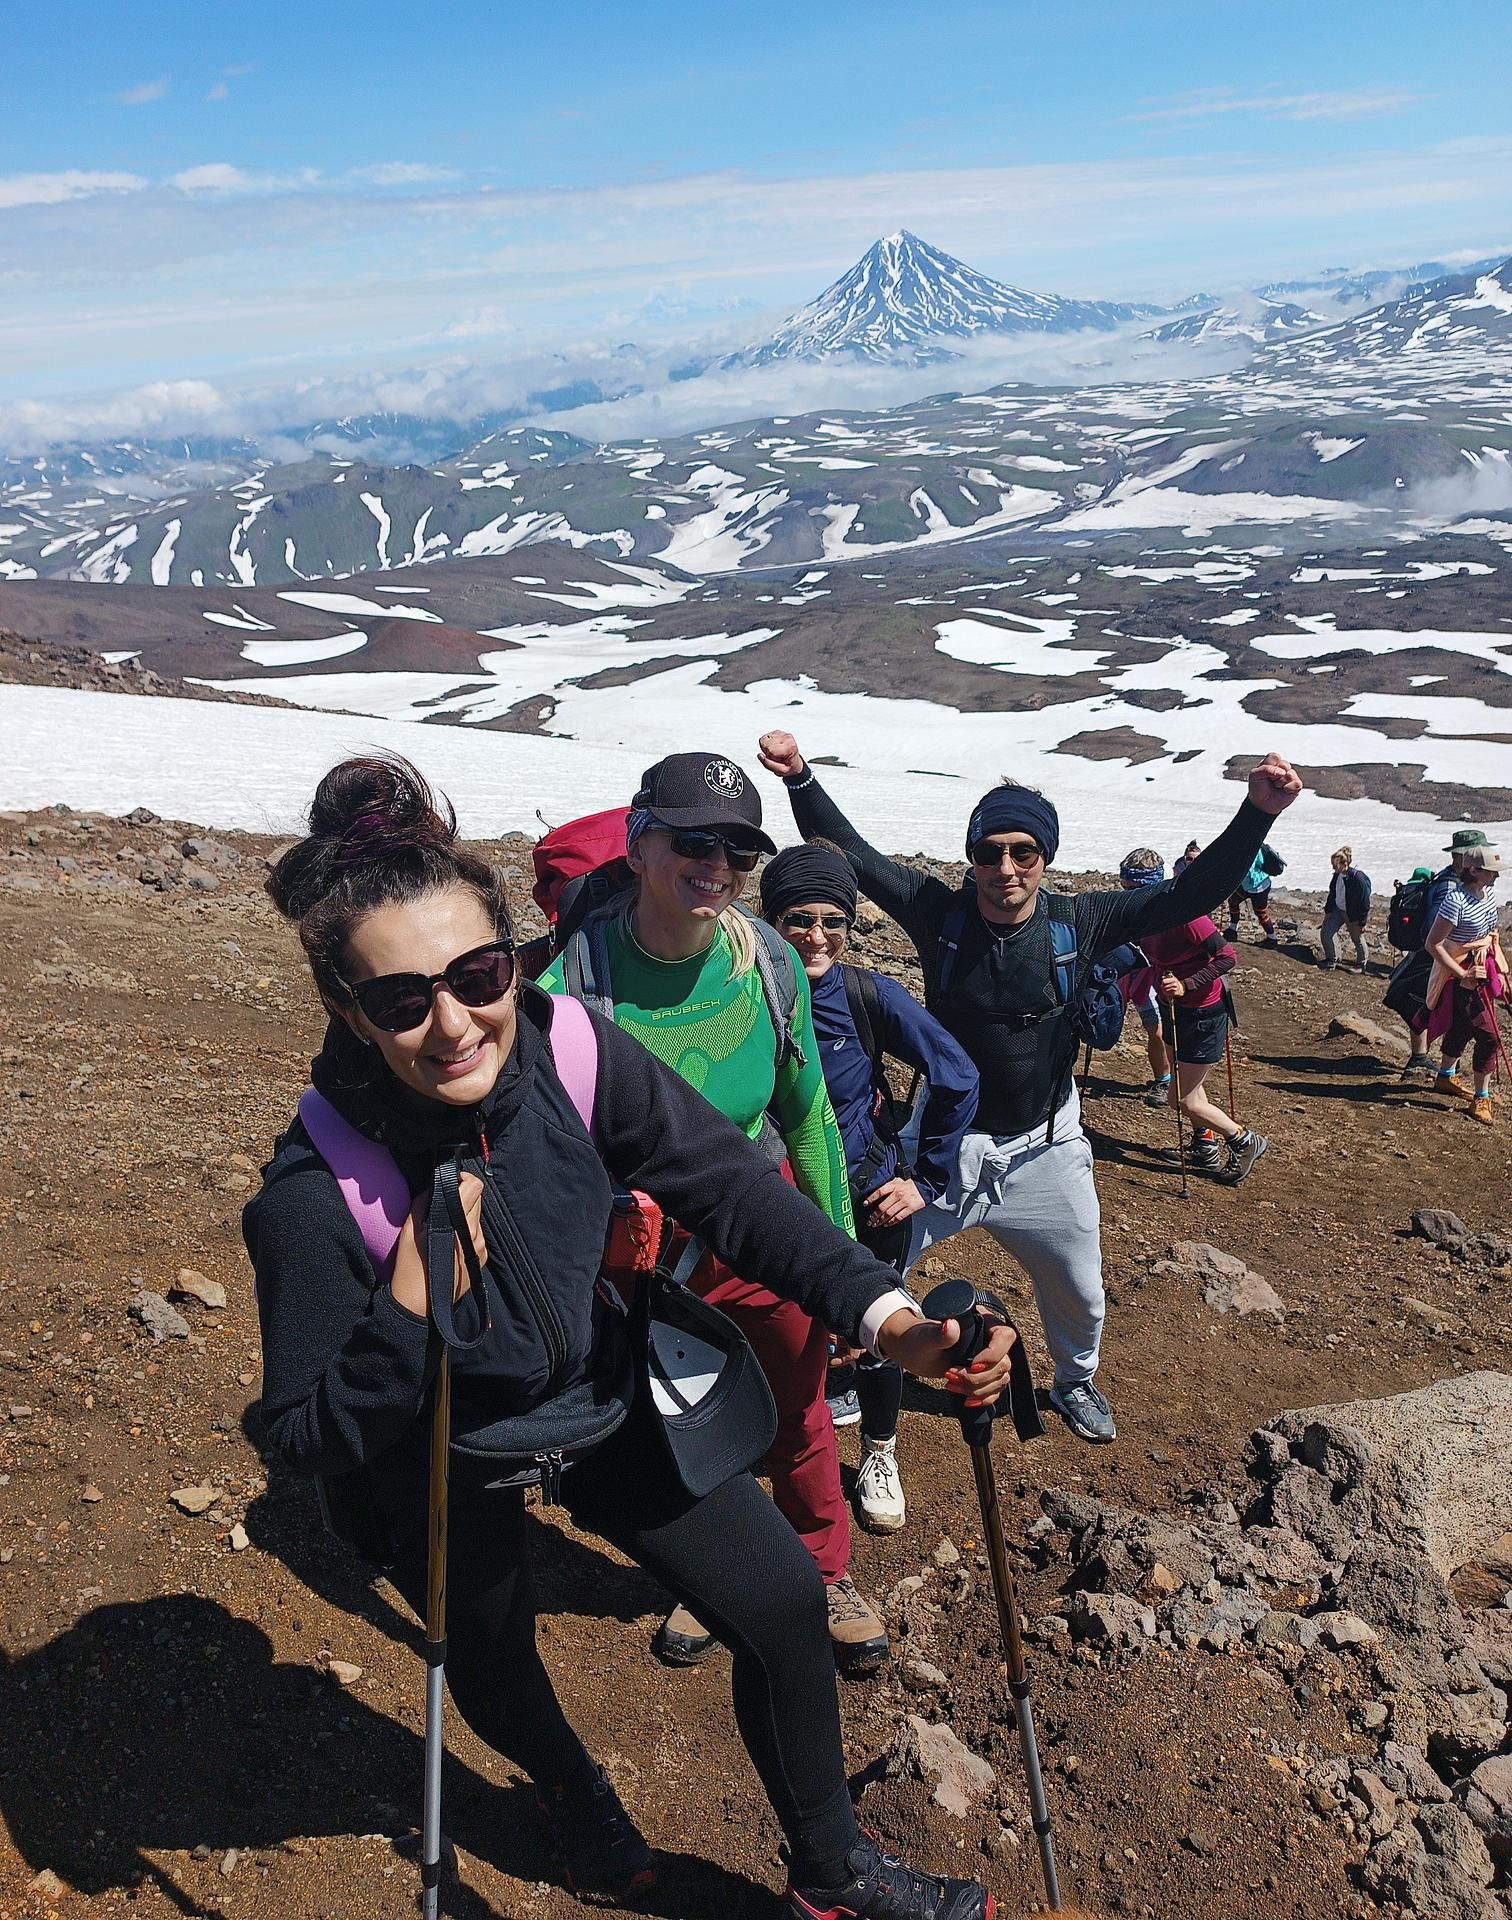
(214, 1711)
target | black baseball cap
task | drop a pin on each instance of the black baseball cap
(703, 790)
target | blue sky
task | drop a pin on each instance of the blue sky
(196, 200)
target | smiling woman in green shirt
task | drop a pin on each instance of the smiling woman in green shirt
(676, 964)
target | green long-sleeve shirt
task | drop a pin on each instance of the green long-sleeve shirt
(718, 1035)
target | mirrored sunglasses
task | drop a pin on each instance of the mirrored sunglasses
(397, 1002)
(805, 922)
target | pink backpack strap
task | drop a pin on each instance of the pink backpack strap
(375, 1191)
(574, 1048)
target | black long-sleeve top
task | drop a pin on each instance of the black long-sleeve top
(1000, 998)
(346, 1367)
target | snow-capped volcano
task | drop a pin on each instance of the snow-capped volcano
(903, 298)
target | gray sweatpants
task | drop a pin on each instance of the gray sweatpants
(1328, 934)
(1040, 1204)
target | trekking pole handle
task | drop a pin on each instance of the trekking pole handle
(957, 1300)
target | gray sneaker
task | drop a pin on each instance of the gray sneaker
(1084, 1411)
(1420, 1067)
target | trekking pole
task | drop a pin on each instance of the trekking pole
(1228, 1060)
(1501, 1048)
(957, 1300)
(435, 1640)
(1087, 1071)
(1168, 1034)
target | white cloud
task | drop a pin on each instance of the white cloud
(220, 91)
(1353, 104)
(143, 95)
(219, 176)
(402, 173)
(52, 189)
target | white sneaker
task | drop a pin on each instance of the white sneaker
(879, 1490)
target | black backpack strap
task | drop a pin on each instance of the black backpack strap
(864, 1004)
(448, 1229)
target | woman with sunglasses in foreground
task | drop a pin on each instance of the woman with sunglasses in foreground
(861, 1018)
(683, 972)
(993, 977)
(436, 1051)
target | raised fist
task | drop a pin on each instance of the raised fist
(1274, 784)
(780, 755)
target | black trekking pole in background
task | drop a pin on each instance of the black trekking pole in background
(1168, 1034)
(435, 1640)
(957, 1300)
(1228, 1059)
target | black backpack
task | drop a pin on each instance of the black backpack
(1271, 861)
(889, 1114)
(1090, 996)
(1405, 923)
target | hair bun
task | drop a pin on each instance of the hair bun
(379, 798)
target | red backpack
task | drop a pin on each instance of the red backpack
(578, 865)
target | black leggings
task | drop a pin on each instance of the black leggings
(731, 1557)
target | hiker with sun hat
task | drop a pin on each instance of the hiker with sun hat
(1468, 977)
(1005, 963)
(1414, 909)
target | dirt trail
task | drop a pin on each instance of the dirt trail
(173, 1740)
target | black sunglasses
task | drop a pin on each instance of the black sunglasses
(989, 853)
(397, 1002)
(699, 843)
(806, 922)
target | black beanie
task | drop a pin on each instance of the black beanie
(807, 873)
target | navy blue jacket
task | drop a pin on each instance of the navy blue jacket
(1356, 895)
(907, 1033)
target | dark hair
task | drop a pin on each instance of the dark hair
(379, 837)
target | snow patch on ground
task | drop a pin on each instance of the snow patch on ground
(162, 560)
(298, 653)
(350, 603)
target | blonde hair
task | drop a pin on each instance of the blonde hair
(1346, 854)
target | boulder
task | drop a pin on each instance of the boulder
(1355, 1026)
(1448, 1831)
(1432, 1470)
(932, 1752)
(1228, 1285)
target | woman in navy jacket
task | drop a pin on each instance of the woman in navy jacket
(809, 894)
(1347, 903)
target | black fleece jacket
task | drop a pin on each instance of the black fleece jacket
(346, 1368)
(1000, 1000)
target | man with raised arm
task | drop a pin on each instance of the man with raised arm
(1004, 960)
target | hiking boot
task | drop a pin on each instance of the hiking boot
(1271, 940)
(1084, 1411)
(1480, 1109)
(1454, 1083)
(879, 1491)
(597, 1845)
(1231, 932)
(881, 1887)
(682, 1639)
(1242, 1154)
(1202, 1155)
(857, 1635)
(1328, 966)
(1419, 1067)
(844, 1408)
(1157, 1093)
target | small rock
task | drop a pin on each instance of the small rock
(1339, 1630)
(228, 1862)
(196, 1499)
(343, 1672)
(946, 1554)
(194, 1286)
(928, 1751)
(240, 1539)
(1493, 1778)
(161, 1321)
(1356, 1026)
(1111, 1619)
(47, 1884)
(1444, 1229)
(920, 1676)
(1381, 1803)
(1160, 1580)
(1374, 1715)
(90, 1494)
